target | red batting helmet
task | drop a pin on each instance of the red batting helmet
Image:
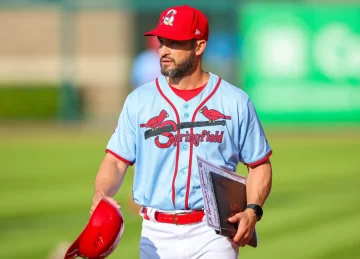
(101, 235)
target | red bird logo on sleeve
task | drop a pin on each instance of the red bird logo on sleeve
(213, 115)
(155, 122)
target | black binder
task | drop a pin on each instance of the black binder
(230, 197)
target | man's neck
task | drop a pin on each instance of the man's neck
(191, 81)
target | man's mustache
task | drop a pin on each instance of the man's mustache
(168, 58)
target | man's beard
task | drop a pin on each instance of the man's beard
(180, 69)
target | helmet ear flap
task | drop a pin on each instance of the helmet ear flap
(101, 235)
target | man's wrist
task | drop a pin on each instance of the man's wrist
(251, 213)
(100, 193)
(256, 209)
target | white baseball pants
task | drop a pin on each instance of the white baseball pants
(193, 241)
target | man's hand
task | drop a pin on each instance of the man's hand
(246, 221)
(97, 199)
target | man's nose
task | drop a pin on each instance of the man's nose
(164, 50)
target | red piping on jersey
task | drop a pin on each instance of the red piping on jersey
(177, 146)
(119, 157)
(191, 143)
(261, 160)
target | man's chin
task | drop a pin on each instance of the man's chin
(167, 67)
(166, 72)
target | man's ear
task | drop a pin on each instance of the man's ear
(200, 47)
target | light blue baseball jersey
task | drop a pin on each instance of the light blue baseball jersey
(162, 134)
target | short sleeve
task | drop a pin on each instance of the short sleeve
(122, 143)
(254, 148)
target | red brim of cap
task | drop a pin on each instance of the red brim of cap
(72, 251)
(167, 35)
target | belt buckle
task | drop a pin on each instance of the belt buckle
(176, 219)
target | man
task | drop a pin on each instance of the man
(164, 125)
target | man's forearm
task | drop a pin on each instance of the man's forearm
(258, 184)
(110, 176)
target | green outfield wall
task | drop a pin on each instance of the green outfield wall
(301, 62)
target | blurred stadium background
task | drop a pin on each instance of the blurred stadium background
(65, 70)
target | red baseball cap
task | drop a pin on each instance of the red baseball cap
(181, 23)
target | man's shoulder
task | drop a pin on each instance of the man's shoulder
(145, 88)
(144, 91)
(233, 91)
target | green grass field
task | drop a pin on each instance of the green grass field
(46, 187)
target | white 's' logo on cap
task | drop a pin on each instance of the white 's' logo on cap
(169, 17)
(197, 32)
